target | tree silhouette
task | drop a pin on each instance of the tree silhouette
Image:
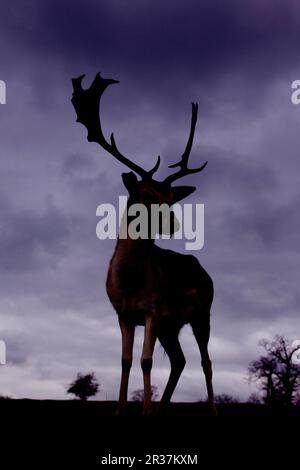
(138, 395)
(225, 398)
(84, 386)
(254, 398)
(297, 399)
(5, 397)
(278, 376)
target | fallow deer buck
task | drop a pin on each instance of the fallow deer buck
(147, 285)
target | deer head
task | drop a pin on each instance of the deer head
(145, 190)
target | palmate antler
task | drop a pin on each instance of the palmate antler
(87, 106)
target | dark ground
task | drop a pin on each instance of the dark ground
(94, 410)
(78, 435)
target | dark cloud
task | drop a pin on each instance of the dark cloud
(209, 36)
(18, 348)
(29, 240)
(75, 165)
(158, 49)
(275, 226)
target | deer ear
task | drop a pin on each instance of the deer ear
(130, 181)
(181, 192)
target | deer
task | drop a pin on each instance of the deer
(159, 289)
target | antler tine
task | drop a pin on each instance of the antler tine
(183, 163)
(87, 104)
(155, 168)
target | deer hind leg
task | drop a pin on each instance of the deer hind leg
(170, 342)
(201, 332)
(146, 362)
(127, 331)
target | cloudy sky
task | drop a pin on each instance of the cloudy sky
(238, 60)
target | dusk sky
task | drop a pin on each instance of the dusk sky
(237, 59)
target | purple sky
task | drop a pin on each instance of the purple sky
(237, 59)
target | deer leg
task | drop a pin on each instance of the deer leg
(127, 346)
(146, 362)
(201, 333)
(177, 360)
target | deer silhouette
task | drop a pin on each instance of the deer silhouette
(147, 285)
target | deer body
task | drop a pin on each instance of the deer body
(169, 285)
(147, 285)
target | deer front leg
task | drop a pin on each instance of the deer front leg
(146, 362)
(127, 331)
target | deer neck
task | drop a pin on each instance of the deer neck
(126, 245)
(129, 248)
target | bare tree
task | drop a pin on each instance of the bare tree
(138, 395)
(263, 370)
(254, 398)
(297, 399)
(84, 386)
(225, 398)
(278, 376)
